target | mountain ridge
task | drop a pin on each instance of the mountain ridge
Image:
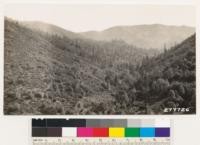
(49, 28)
(144, 36)
(156, 36)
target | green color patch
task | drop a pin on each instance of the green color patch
(132, 132)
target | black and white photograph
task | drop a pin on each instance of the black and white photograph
(99, 59)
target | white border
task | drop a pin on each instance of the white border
(179, 118)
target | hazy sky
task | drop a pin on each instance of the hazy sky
(98, 17)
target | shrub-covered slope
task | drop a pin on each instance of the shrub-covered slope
(50, 74)
(38, 74)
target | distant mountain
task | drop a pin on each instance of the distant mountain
(49, 28)
(155, 36)
(145, 36)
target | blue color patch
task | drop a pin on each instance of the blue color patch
(147, 132)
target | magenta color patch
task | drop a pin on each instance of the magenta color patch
(84, 132)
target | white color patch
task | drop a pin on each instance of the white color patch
(69, 131)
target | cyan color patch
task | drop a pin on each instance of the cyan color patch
(147, 132)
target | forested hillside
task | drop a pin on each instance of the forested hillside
(47, 73)
(169, 80)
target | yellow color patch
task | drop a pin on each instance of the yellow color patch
(116, 132)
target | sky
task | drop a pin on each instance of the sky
(86, 17)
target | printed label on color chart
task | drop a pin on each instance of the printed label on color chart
(101, 131)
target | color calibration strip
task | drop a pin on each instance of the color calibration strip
(117, 128)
